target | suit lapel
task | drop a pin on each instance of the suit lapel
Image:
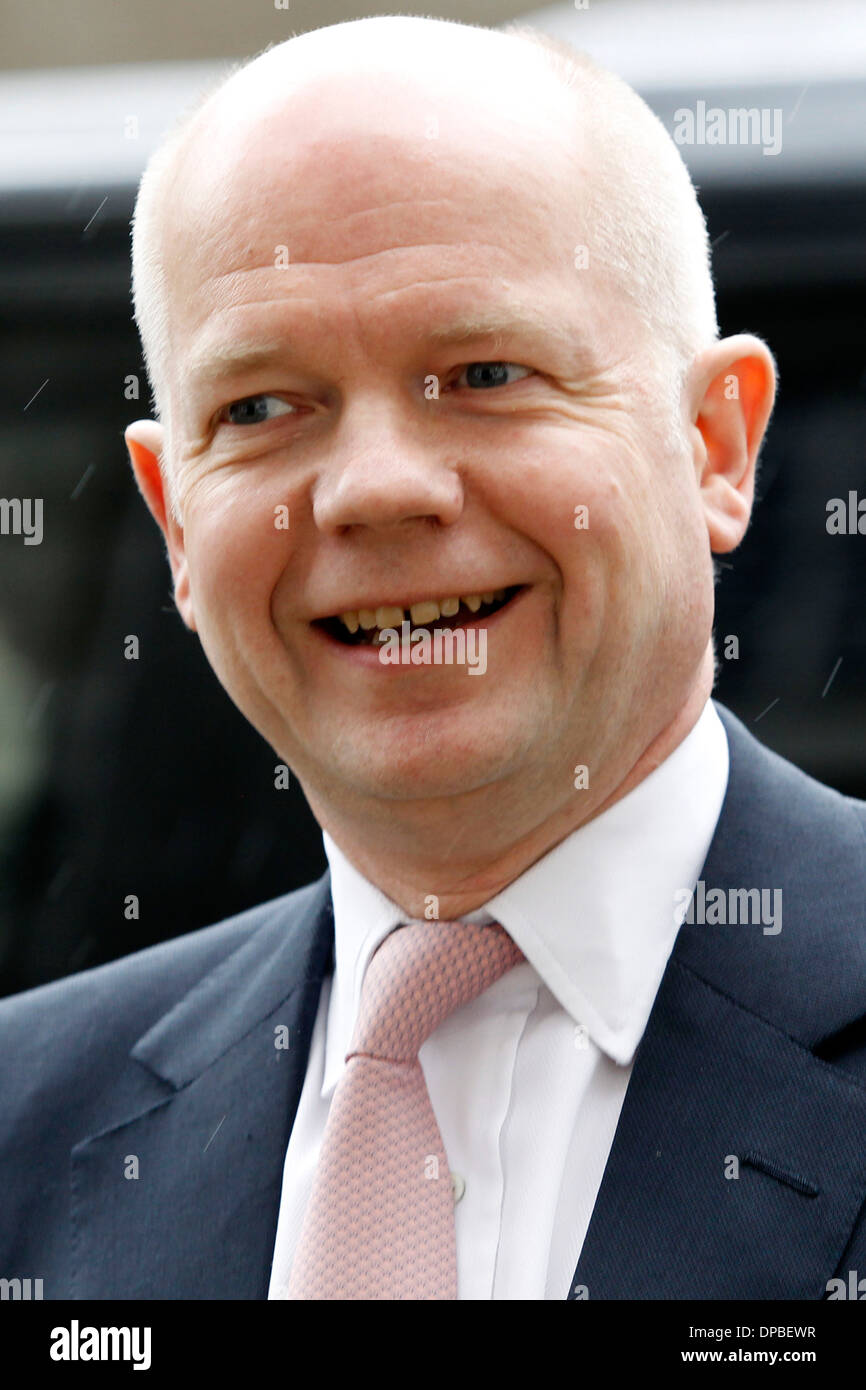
(738, 1167)
(204, 1123)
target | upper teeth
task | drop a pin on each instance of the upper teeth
(388, 615)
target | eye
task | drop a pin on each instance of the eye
(485, 375)
(255, 410)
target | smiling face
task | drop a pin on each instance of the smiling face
(327, 332)
(402, 385)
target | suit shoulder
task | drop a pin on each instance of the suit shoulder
(802, 810)
(129, 993)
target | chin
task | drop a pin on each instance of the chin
(427, 758)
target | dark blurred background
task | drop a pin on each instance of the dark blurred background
(139, 777)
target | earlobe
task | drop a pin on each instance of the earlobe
(735, 386)
(144, 441)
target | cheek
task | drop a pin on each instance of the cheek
(622, 534)
(553, 491)
(583, 516)
(237, 544)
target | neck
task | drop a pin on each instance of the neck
(466, 859)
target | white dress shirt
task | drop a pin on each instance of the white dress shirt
(527, 1081)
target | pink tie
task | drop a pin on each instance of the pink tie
(380, 1220)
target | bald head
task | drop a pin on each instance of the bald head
(454, 92)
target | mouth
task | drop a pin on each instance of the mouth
(364, 626)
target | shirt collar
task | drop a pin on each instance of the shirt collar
(595, 916)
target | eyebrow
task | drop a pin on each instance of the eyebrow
(219, 360)
(228, 359)
(496, 323)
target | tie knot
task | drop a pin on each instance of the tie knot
(418, 976)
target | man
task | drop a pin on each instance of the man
(429, 321)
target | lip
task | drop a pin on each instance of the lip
(365, 656)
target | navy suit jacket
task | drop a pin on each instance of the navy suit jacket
(165, 1063)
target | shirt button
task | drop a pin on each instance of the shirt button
(458, 1187)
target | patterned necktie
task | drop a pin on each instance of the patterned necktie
(380, 1220)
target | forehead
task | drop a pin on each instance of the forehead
(375, 196)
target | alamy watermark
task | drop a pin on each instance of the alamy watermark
(22, 516)
(729, 907)
(438, 646)
(739, 125)
(77, 1343)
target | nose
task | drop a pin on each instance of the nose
(384, 470)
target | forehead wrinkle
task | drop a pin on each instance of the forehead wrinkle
(210, 361)
(470, 313)
(216, 240)
(325, 229)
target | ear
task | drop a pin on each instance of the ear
(144, 441)
(733, 386)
